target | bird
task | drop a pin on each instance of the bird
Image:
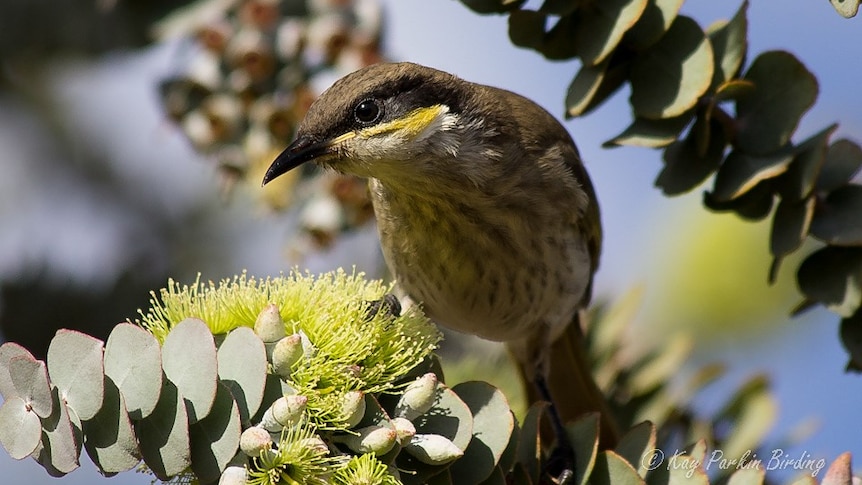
(486, 214)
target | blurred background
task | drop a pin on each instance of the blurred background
(110, 185)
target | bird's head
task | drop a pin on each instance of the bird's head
(388, 121)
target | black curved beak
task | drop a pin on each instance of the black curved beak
(300, 151)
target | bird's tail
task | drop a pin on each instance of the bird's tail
(571, 384)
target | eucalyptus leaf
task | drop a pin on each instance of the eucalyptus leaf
(729, 41)
(61, 439)
(753, 410)
(638, 446)
(847, 8)
(799, 180)
(133, 361)
(76, 368)
(20, 429)
(790, 225)
(189, 361)
(559, 7)
(242, 367)
(651, 133)
(8, 351)
(833, 277)
(527, 28)
(30, 380)
(843, 161)
(584, 87)
(747, 476)
(851, 338)
(215, 439)
(601, 26)
(492, 6)
(612, 469)
(584, 437)
(741, 172)
(493, 425)
(110, 438)
(784, 89)
(530, 444)
(561, 41)
(497, 477)
(164, 435)
(838, 219)
(685, 168)
(754, 204)
(655, 20)
(668, 78)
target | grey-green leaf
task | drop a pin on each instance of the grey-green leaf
(529, 447)
(111, 441)
(847, 8)
(799, 180)
(740, 172)
(190, 362)
(527, 28)
(747, 476)
(651, 133)
(215, 439)
(8, 351)
(584, 436)
(61, 439)
(30, 378)
(843, 161)
(449, 417)
(76, 368)
(784, 89)
(164, 435)
(851, 337)
(753, 205)
(655, 20)
(637, 447)
(684, 167)
(668, 78)
(584, 87)
(790, 225)
(601, 26)
(729, 41)
(492, 6)
(242, 367)
(133, 361)
(20, 429)
(833, 277)
(493, 424)
(612, 469)
(838, 219)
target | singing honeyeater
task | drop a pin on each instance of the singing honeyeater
(485, 212)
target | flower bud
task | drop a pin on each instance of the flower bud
(317, 444)
(371, 439)
(353, 407)
(433, 449)
(233, 475)
(269, 326)
(286, 353)
(285, 411)
(254, 441)
(405, 429)
(418, 397)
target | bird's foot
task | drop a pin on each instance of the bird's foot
(560, 466)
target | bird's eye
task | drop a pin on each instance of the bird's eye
(368, 111)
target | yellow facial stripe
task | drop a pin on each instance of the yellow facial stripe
(411, 125)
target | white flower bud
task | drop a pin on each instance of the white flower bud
(418, 397)
(433, 449)
(317, 444)
(269, 326)
(233, 475)
(371, 439)
(255, 440)
(353, 407)
(286, 352)
(405, 429)
(285, 411)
